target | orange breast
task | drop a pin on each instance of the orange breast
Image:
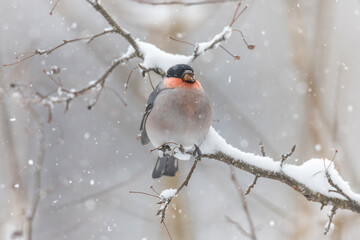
(178, 83)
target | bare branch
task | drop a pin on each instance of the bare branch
(249, 46)
(167, 230)
(252, 234)
(117, 28)
(236, 16)
(285, 156)
(252, 185)
(239, 227)
(262, 149)
(65, 42)
(53, 8)
(37, 173)
(67, 96)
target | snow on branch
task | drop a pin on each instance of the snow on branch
(154, 59)
(213, 43)
(316, 179)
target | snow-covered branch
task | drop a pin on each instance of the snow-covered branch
(154, 59)
(316, 179)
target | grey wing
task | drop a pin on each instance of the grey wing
(150, 104)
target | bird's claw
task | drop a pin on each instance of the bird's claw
(197, 152)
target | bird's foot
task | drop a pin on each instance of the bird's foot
(197, 152)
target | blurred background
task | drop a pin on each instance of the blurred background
(298, 86)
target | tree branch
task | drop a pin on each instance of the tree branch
(166, 198)
(117, 28)
(65, 42)
(252, 234)
(310, 179)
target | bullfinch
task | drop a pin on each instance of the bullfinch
(178, 111)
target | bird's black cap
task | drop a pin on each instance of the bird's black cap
(177, 70)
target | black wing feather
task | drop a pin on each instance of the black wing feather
(150, 104)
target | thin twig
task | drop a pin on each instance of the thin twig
(181, 41)
(67, 96)
(239, 227)
(144, 193)
(65, 42)
(117, 94)
(117, 28)
(235, 17)
(37, 171)
(236, 57)
(328, 225)
(252, 185)
(249, 46)
(262, 149)
(285, 156)
(167, 230)
(53, 8)
(244, 205)
(152, 86)
(128, 80)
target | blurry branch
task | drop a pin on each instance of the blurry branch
(65, 42)
(16, 187)
(62, 95)
(117, 28)
(252, 234)
(37, 173)
(238, 226)
(105, 191)
(183, 3)
(53, 8)
(167, 230)
(137, 49)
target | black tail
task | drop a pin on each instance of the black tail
(165, 165)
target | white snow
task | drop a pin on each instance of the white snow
(156, 58)
(221, 37)
(331, 227)
(311, 173)
(181, 156)
(168, 194)
(215, 143)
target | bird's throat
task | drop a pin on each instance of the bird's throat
(179, 83)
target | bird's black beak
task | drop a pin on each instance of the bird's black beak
(188, 77)
(191, 79)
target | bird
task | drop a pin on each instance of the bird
(177, 111)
